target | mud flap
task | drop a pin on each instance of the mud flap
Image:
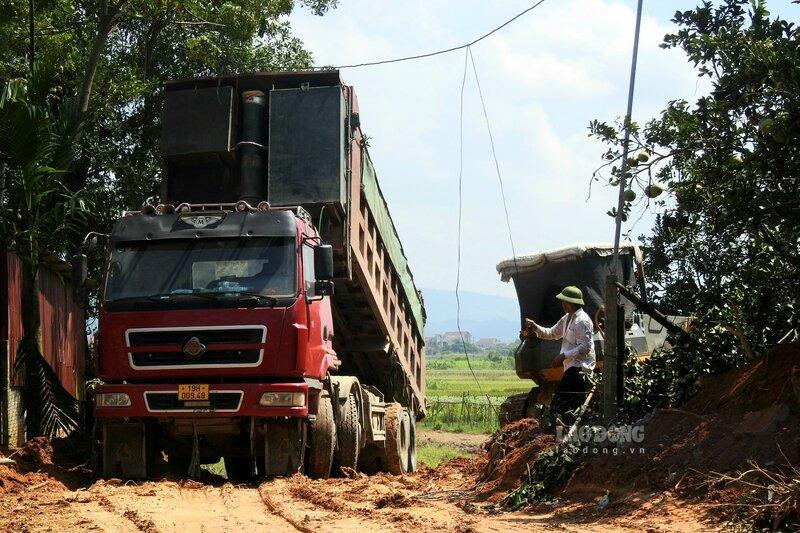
(284, 446)
(253, 457)
(194, 464)
(124, 451)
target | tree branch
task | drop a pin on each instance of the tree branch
(105, 25)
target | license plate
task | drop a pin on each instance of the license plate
(192, 392)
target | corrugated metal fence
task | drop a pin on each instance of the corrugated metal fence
(63, 336)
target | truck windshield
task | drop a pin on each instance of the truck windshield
(202, 270)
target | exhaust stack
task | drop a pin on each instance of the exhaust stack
(252, 148)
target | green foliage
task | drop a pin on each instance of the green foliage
(550, 469)
(726, 247)
(669, 378)
(115, 55)
(38, 138)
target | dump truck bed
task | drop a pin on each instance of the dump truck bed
(315, 158)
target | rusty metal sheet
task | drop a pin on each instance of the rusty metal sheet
(63, 334)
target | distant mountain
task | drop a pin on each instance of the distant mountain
(483, 315)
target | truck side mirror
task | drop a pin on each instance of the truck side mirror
(80, 271)
(323, 262)
(323, 287)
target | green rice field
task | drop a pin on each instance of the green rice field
(456, 402)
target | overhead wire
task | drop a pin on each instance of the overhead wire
(468, 55)
(446, 50)
(460, 218)
(494, 156)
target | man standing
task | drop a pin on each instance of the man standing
(575, 329)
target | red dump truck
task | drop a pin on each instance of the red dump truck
(264, 313)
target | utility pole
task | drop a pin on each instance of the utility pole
(614, 345)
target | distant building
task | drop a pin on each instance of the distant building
(488, 342)
(436, 342)
(452, 337)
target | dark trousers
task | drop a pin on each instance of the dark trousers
(570, 395)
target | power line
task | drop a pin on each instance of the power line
(447, 50)
(494, 155)
(460, 205)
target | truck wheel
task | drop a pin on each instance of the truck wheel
(348, 435)
(412, 442)
(397, 439)
(322, 441)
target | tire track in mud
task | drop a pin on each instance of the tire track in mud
(378, 502)
(278, 510)
(142, 524)
(167, 506)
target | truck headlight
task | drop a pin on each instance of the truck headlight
(282, 399)
(112, 399)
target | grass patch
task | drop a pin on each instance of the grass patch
(497, 383)
(450, 380)
(433, 455)
(216, 468)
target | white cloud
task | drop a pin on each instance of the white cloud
(544, 78)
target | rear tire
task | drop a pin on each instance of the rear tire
(348, 435)
(397, 439)
(322, 441)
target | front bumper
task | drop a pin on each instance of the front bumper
(245, 398)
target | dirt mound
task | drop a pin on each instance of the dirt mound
(509, 457)
(751, 413)
(36, 451)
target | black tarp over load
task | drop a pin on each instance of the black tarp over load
(539, 277)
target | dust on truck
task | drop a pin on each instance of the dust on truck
(264, 313)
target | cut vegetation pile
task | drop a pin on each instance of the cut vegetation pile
(510, 453)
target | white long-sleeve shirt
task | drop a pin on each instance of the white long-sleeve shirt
(576, 331)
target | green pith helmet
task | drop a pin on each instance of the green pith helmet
(572, 295)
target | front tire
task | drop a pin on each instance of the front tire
(322, 441)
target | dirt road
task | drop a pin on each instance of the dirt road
(49, 498)
(378, 503)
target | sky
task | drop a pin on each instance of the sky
(544, 78)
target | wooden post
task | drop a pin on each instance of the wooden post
(610, 350)
(621, 353)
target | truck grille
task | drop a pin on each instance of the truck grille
(217, 401)
(170, 343)
(215, 336)
(216, 357)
